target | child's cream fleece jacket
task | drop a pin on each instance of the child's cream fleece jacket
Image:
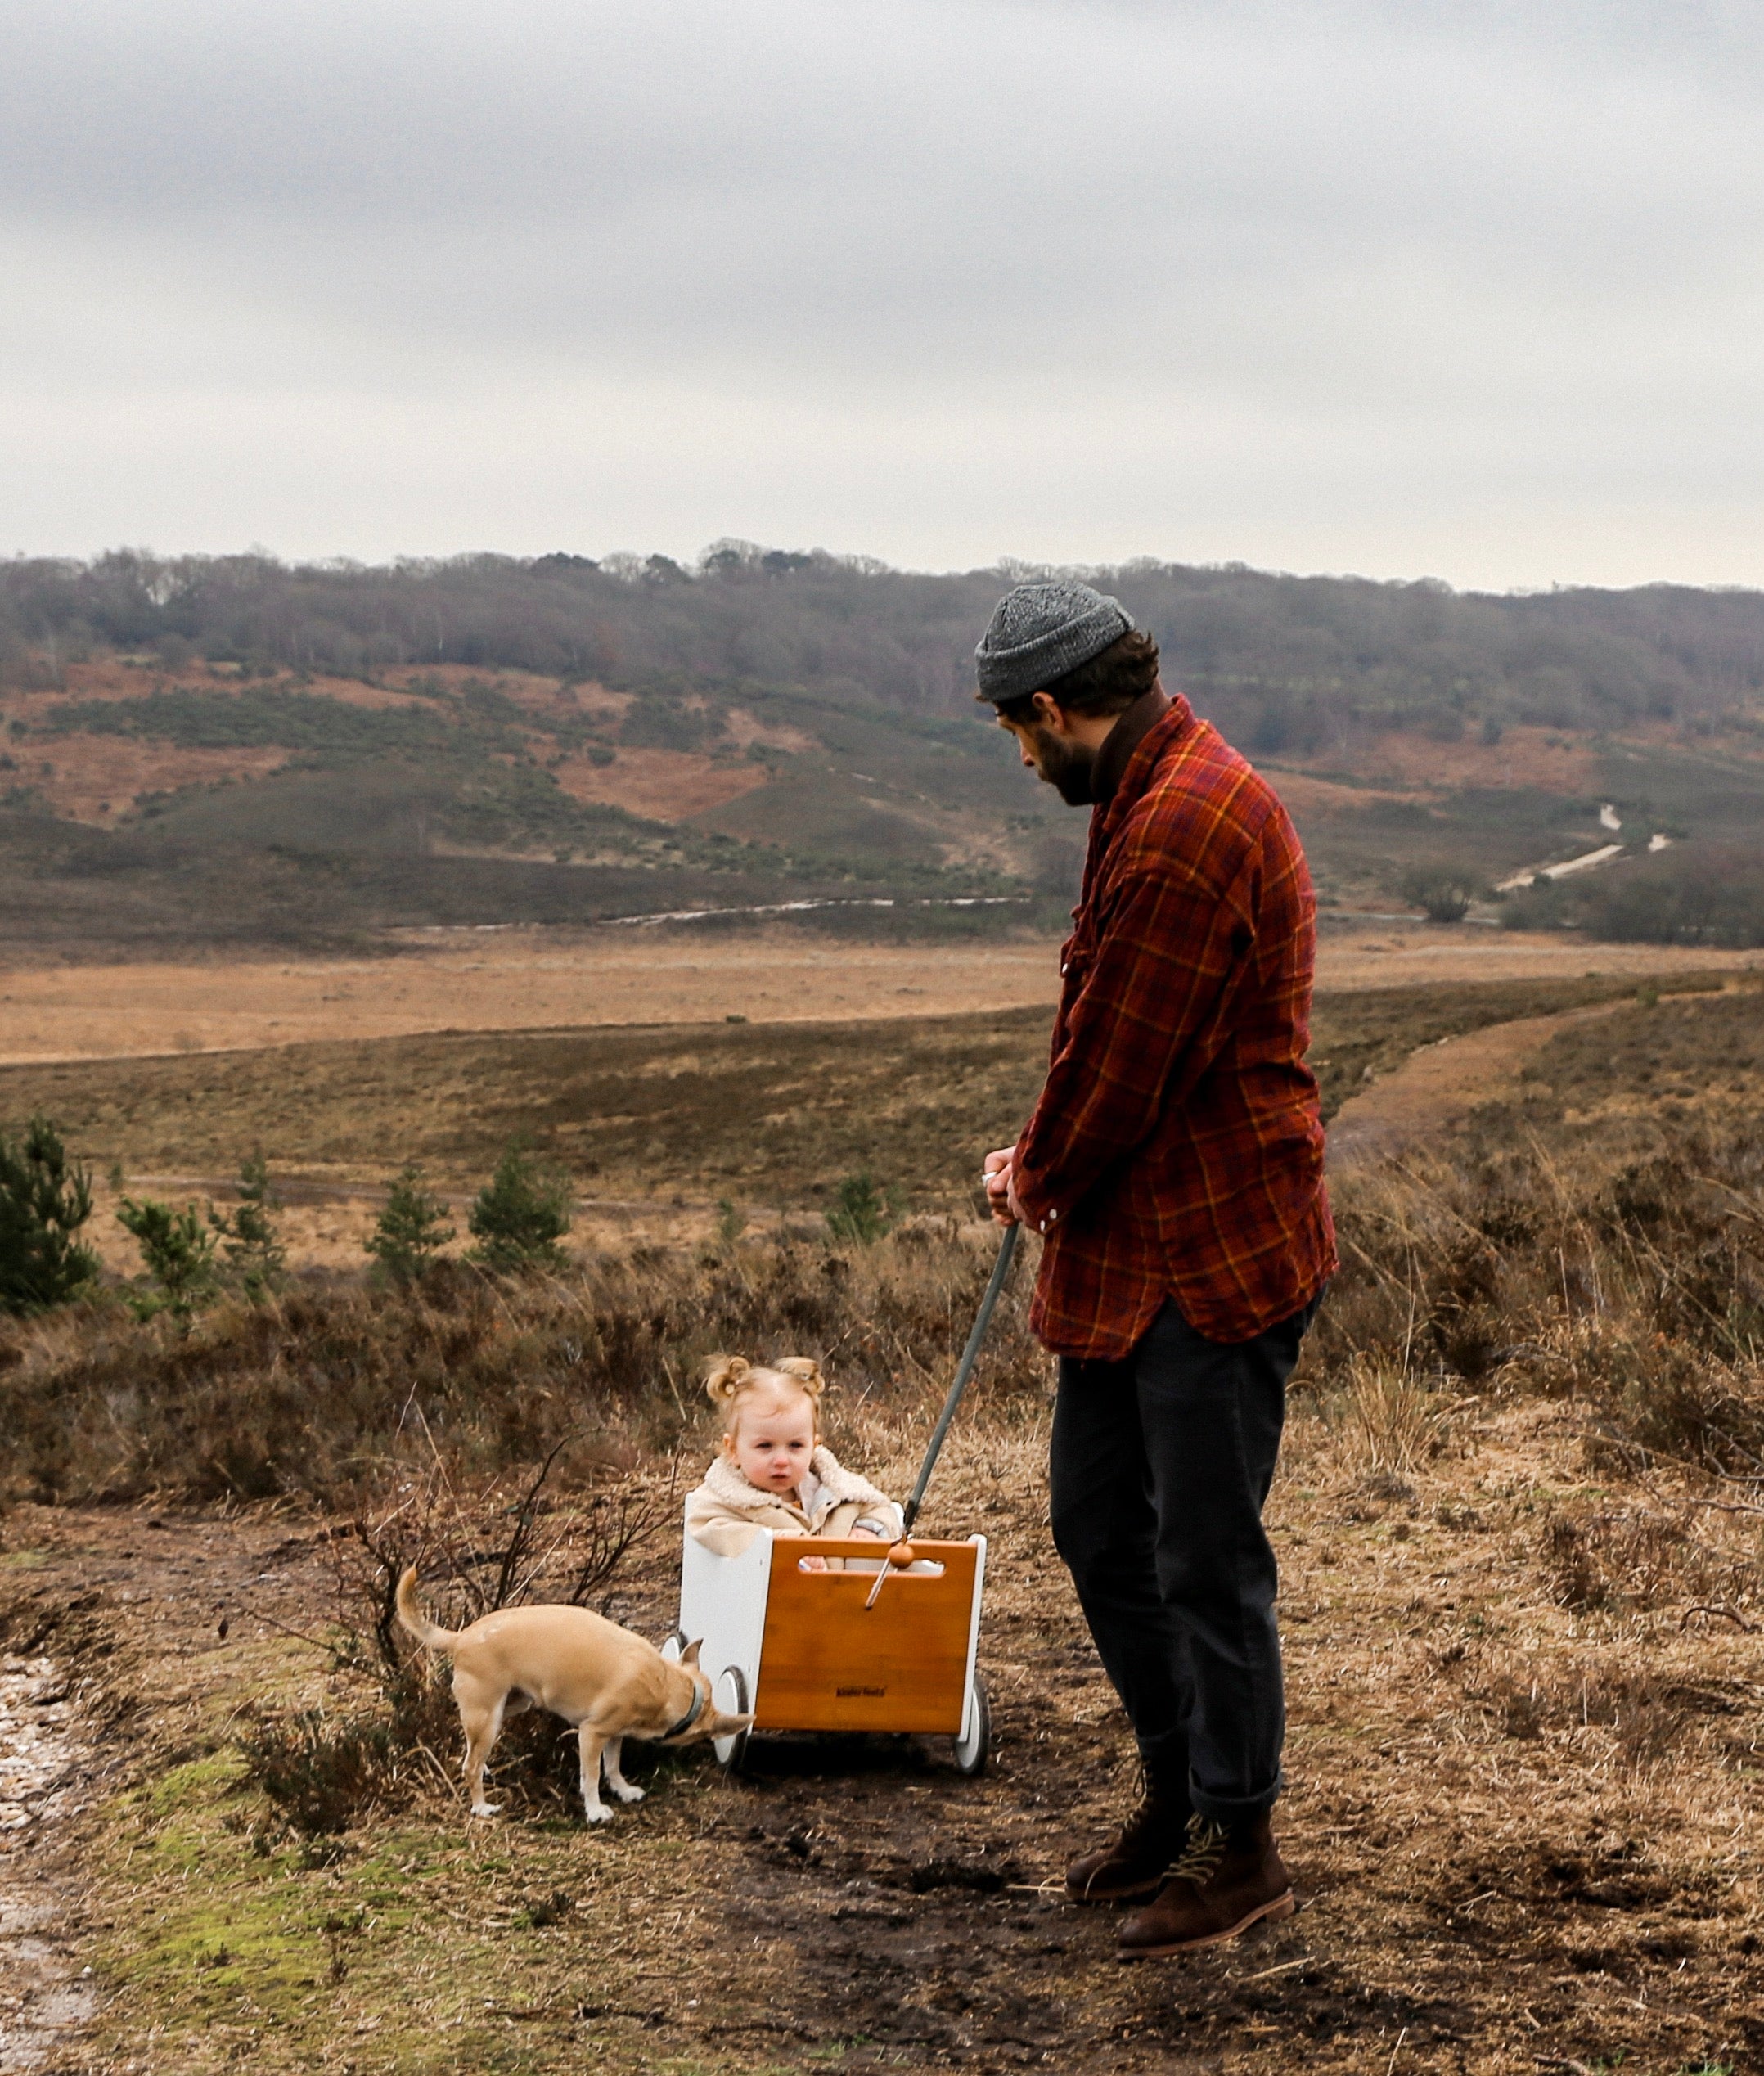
(726, 1512)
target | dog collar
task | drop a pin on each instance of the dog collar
(690, 1717)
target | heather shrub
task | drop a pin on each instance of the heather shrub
(303, 1393)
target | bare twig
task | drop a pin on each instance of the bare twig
(526, 1513)
(1285, 1967)
(1715, 1607)
(256, 1615)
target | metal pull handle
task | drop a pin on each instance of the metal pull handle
(964, 1370)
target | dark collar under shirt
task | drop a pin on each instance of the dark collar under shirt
(1136, 722)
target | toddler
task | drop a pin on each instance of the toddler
(772, 1471)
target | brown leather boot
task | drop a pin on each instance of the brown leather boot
(1135, 1863)
(1225, 1882)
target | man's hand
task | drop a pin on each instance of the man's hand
(998, 1178)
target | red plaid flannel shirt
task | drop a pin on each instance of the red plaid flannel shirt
(1176, 1149)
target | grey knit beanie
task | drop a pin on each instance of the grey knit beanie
(1039, 631)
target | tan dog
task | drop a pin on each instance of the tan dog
(610, 1684)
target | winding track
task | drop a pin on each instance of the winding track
(1439, 1084)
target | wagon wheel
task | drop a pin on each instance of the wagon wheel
(975, 1743)
(674, 1646)
(730, 1694)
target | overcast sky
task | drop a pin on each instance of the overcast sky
(1441, 287)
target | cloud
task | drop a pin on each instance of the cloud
(1446, 287)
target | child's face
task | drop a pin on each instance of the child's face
(773, 1445)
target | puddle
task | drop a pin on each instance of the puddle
(44, 1994)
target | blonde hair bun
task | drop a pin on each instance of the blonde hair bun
(806, 1372)
(731, 1378)
(724, 1377)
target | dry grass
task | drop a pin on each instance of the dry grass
(767, 1113)
(1610, 1249)
(1599, 1238)
(1389, 1418)
(513, 979)
(1523, 1829)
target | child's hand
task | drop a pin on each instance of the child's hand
(870, 1534)
(814, 1563)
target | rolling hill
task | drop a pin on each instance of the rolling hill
(229, 751)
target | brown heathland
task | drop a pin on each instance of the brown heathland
(530, 978)
(1516, 1518)
(659, 1124)
(665, 784)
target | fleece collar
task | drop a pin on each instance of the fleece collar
(726, 1484)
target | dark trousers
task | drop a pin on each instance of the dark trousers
(1160, 1464)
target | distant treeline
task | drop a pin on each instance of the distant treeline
(1285, 663)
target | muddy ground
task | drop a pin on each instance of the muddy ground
(1525, 1837)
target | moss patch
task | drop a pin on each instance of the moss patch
(424, 1947)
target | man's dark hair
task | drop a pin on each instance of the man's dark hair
(1109, 683)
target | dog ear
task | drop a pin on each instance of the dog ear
(689, 1656)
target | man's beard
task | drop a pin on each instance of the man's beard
(1066, 765)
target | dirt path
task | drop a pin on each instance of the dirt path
(1438, 1085)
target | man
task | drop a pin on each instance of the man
(1174, 1168)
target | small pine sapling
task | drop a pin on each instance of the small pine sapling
(248, 1236)
(410, 1232)
(519, 1215)
(177, 1250)
(44, 1200)
(865, 1210)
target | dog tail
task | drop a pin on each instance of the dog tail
(415, 1621)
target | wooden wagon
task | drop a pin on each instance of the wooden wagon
(799, 1649)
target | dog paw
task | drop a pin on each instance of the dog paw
(626, 1793)
(487, 1809)
(602, 1815)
